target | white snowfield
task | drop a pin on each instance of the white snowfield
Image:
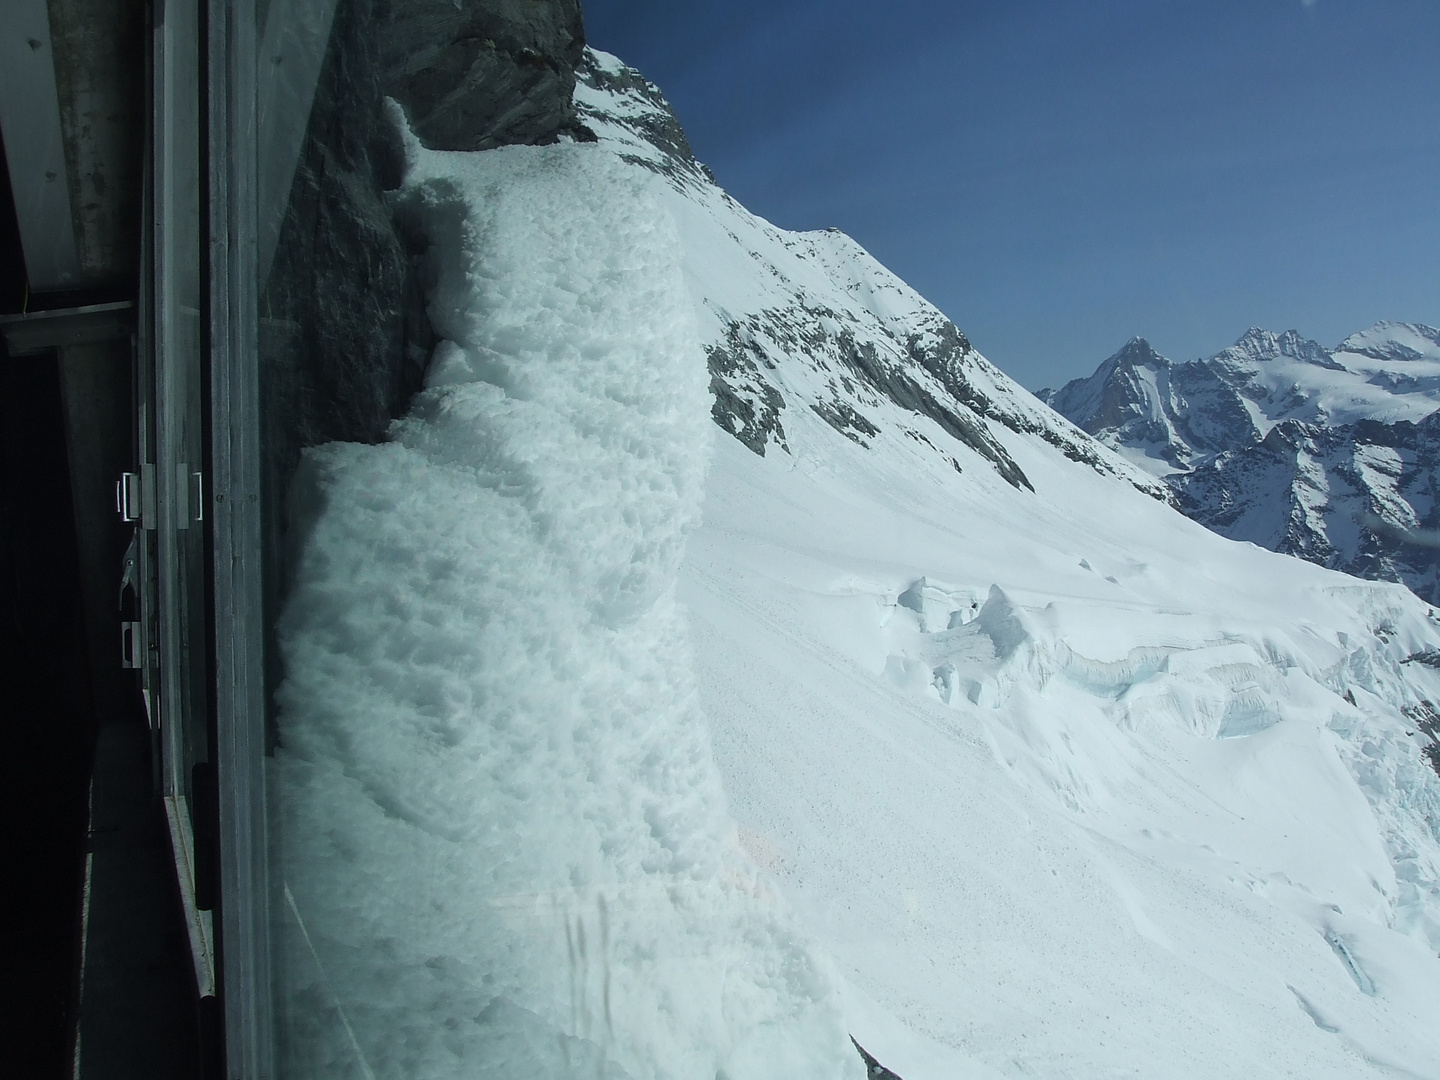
(593, 764)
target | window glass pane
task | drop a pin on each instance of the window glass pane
(501, 333)
(499, 844)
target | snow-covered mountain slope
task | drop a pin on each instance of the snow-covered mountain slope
(809, 322)
(1325, 454)
(1064, 782)
(1068, 793)
(1387, 373)
(924, 721)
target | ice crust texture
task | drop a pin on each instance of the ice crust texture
(503, 839)
(1005, 781)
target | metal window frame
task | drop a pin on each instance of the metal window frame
(235, 509)
(166, 471)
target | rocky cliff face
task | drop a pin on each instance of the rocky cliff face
(487, 73)
(1332, 455)
(345, 335)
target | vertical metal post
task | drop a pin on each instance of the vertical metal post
(235, 516)
(168, 704)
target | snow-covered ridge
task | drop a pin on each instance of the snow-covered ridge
(1387, 373)
(810, 321)
(1394, 341)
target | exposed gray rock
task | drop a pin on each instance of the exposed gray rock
(1321, 494)
(873, 1068)
(476, 74)
(946, 353)
(1139, 399)
(344, 337)
(1427, 719)
(748, 406)
(862, 359)
(844, 419)
(344, 332)
(650, 120)
(745, 406)
(896, 384)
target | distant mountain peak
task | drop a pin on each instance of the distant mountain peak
(1330, 455)
(1138, 351)
(1264, 345)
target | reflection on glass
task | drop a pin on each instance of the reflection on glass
(499, 843)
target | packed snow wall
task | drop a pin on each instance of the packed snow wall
(344, 337)
(503, 848)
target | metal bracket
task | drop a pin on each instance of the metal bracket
(135, 496)
(190, 489)
(127, 496)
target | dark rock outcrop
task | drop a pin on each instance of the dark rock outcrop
(483, 73)
(650, 119)
(861, 360)
(1427, 720)
(896, 384)
(873, 1068)
(344, 332)
(1322, 494)
(1138, 398)
(344, 337)
(749, 407)
(745, 405)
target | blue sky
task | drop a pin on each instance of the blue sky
(1057, 176)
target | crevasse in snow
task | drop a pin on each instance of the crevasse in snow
(503, 844)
